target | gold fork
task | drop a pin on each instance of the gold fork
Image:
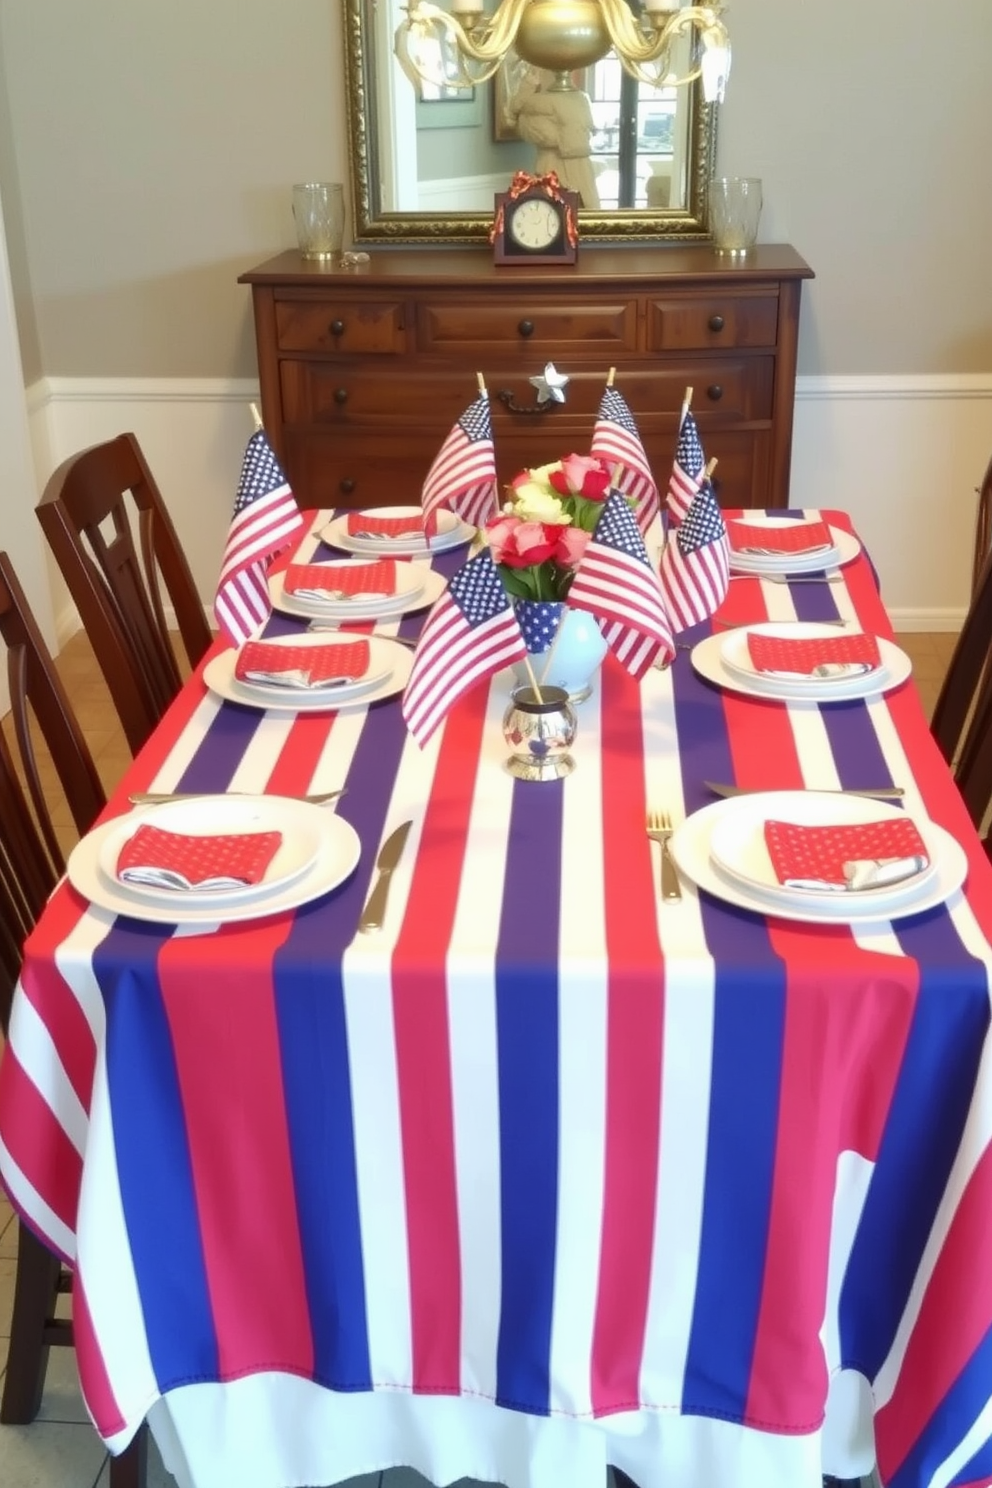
(659, 828)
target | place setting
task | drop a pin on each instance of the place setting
(801, 661)
(214, 858)
(343, 589)
(764, 546)
(310, 673)
(819, 856)
(396, 530)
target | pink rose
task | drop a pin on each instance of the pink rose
(582, 475)
(572, 542)
(499, 533)
(530, 543)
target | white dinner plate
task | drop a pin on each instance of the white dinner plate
(206, 816)
(387, 656)
(737, 846)
(451, 533)
(378, 670)
(337, 852)
(690, 846)
(417, 587)
(736, 656)
(707, 660)
(846, 548)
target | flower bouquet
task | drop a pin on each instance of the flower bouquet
(536, 543)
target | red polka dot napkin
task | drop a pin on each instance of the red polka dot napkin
(842, 655)
(174, 860)
(855, 856)
(362, 524)
(793, 537)
(302, 666)
(345, 581)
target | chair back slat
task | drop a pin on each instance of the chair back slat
(116, 585)
(966, 673)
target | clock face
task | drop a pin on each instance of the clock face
(534, 224)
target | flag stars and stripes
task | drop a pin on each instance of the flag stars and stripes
(695, 565)
(615, 582)
(617, 441)
(264, 521)
(687, 471)
(463, 475)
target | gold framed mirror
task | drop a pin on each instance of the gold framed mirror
(400, 197)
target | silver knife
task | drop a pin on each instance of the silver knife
(389, 855)
(883, 793)
(160, 798)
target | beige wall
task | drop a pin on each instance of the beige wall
(152, 149)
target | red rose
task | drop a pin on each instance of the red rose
(529, 543)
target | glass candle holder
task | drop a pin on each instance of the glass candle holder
(318, 210)
(539, 727)
(735, 210)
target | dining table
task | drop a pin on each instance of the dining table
(549, 1172)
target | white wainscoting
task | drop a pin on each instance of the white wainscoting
(902, 455)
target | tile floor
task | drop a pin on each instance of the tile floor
(60, 1449)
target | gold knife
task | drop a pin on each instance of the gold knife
(883, 793)
(389, 855)
(160, 798)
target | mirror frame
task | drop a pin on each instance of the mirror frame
(372, 225)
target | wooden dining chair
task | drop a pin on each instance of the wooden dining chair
(31, 863)
(116, 585)
(983, 528)
(968, 675)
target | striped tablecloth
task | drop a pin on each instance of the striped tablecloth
(547, 1174)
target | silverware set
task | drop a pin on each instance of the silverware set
(161, 798)
(659, 828)
(319, 627)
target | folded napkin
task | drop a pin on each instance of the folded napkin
(364, 524)
(302, 666)
(345, 581)
(818, 658)
(862, 855)
(173, 860)
(795, 537)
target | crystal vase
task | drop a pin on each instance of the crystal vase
(577, 655)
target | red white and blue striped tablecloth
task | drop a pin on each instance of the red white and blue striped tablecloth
(547, 1174)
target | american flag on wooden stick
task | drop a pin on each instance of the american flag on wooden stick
(615, 582)
(687, 470)
(265, 518)
(695, 565)
(463, 475)
(471, 632)
(615, 439)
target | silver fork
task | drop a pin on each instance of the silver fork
(659, 828)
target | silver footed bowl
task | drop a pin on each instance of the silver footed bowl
(539, 728)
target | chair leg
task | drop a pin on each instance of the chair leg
(130, 1469)
(36, 1286)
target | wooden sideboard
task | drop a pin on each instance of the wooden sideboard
(363, 371)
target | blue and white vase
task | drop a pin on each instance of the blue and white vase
(578, 654)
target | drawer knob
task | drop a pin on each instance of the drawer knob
(346, 487)
(526, 327)
(337, 327)
(340, 395)
(716, 322)
(714, 392)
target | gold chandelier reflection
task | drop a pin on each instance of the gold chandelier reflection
(562, 36)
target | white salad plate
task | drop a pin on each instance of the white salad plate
(846, 548)
(389, 671)
(724, 660)
(736, 826)
(451, 533)
(318, 852)
(417, 587)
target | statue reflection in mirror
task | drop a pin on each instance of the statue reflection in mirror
(548, 111)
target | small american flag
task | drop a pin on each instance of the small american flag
(470, 633)
(463, 475)
(615, 582)
(615, 439)
(687, 471)
(265, 518)
(695, 566)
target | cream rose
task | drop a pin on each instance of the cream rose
(534, 504)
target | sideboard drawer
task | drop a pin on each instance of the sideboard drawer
(340, 326)
(537, 327)
(713, 322)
